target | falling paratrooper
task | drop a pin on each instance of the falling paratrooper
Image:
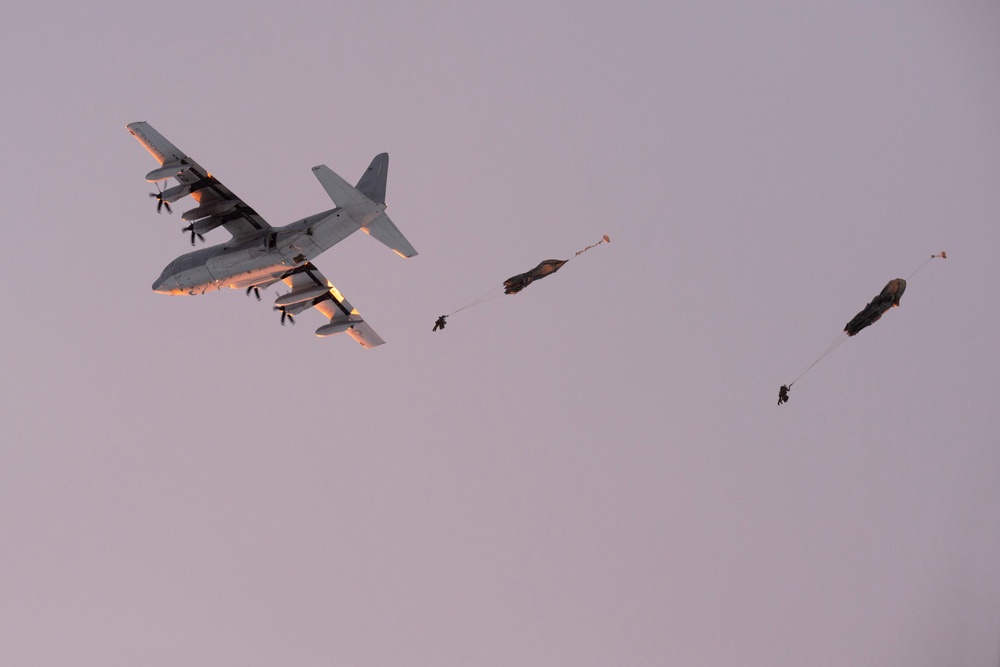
(518, 282)
(888, 298)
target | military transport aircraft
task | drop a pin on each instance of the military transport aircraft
(259, 255)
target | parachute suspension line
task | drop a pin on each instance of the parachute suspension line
(942, 255)
(492, 294)
(785, 388)
(833, 346)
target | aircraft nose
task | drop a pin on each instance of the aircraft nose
(165, 285)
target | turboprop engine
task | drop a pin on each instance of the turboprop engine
(177, 192)
(201, 227)
(299, 296)
(168, 170)
(207, 210)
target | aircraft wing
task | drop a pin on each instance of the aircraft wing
(217, 205)
(305, 281)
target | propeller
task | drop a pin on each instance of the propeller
(190, 228)
(255, 290)
(285, 314)
(160, 203)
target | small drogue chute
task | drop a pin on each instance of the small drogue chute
(516, 283)
(888, 298)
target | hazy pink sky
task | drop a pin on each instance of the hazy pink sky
(592, 472)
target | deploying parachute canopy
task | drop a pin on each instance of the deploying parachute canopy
(887, 298)
(515, 284)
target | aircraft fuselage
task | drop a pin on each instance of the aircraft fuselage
(259, 260)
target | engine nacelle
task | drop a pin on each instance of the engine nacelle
(168, 170)
(205, 225)
(300, 295)
(337, 325)
(175, 193)
(206, 210)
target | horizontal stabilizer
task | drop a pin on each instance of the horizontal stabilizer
(383, 229)
(343, 194)
(360, 205)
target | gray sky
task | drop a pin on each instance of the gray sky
(592, 472)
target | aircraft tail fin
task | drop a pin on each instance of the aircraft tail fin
(368, 203)
(372, 183)
(340, 191)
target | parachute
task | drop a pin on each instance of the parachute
(518, 282)
(888, 298)
(515, 284)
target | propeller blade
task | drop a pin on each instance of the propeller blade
(158, 196)
(285, 315)
(190, 228)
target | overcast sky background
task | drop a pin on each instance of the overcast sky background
(592, 472)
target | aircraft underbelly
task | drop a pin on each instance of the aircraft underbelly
(244, 267)
(302, 249)
(332, 231)
(251, 278)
